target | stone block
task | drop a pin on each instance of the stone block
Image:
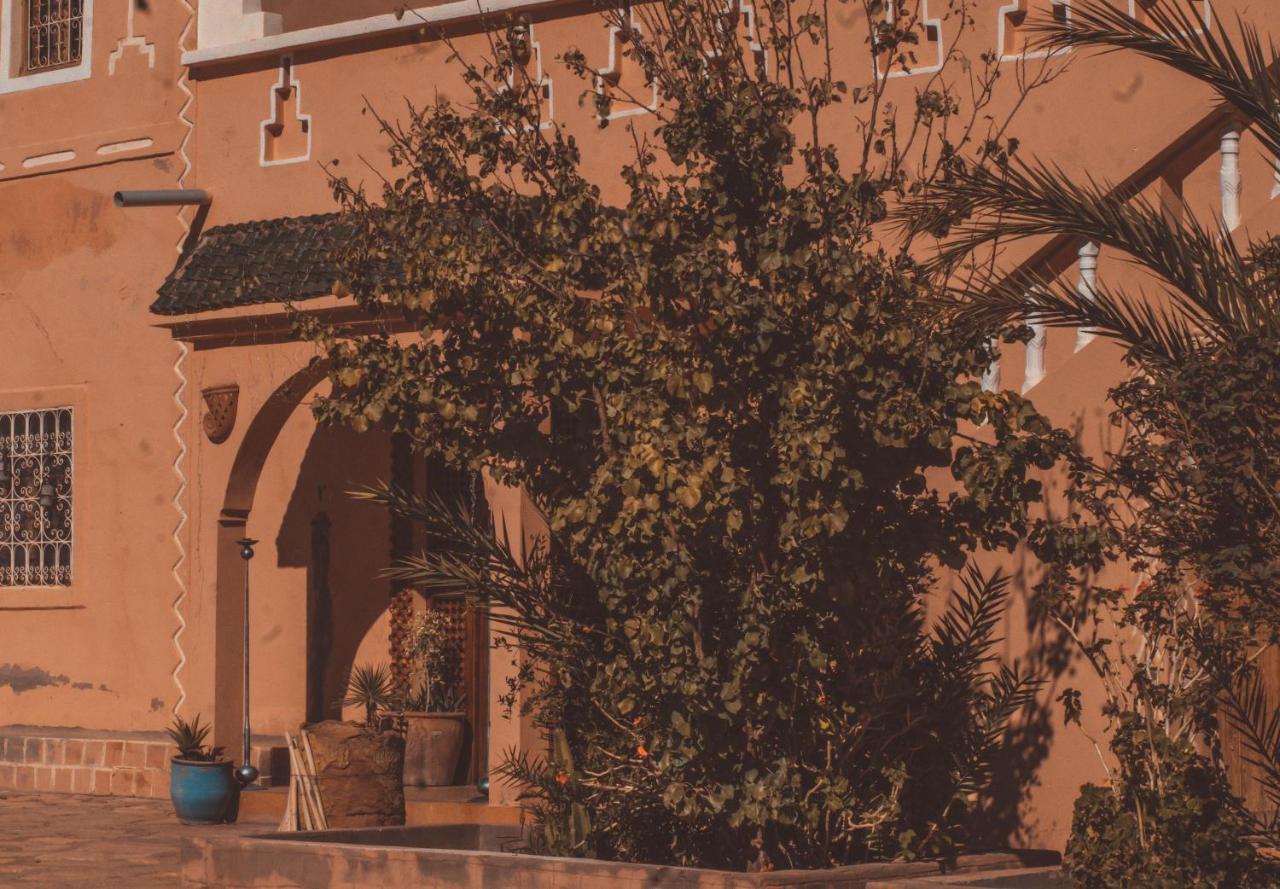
(135, 755)
(33, 750)
(73, 755)
(123, 781)
(44, 778)
(10, 749)
(7, 776)
(82, 780)
(63, 780)
(55, 751)
(158, 756)
(113, 754)
(160, 784)
(25, 778)
(102, 782)
(95, 756)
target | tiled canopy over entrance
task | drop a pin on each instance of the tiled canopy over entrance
(272, 260)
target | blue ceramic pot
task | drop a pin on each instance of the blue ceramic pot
(204, 792)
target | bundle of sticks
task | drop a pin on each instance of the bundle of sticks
(305, 809)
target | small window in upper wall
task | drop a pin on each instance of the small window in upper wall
(35, 498)
(55, 34)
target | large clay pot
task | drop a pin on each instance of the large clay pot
(433, 748)
(358, 771)
(204, 792)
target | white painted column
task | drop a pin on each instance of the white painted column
(1229, 177)
(1087, 286)
(991, 378)
(1035, 356)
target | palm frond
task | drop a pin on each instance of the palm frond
(1212, 294)
(518, 589)
(1250, 713)
(965, 634)
(1153, 331)
(1244, 75)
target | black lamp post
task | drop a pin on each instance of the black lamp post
(246, 774)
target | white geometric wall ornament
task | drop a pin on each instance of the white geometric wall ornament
(611, 74)
(131, 40)
(1058, 9)
(537, 77)
(932, 33)
(742, 14)
(278, 107)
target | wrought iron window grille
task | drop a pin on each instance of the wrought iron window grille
(55, 34)
(36, 470)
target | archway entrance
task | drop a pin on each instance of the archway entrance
(341, 546)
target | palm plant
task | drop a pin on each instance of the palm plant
(1217, 291)
(369, 687)
(1202, 463)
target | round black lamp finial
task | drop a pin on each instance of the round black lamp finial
(246, 775)
(246, 548)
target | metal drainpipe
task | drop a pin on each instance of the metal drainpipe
(165, 197)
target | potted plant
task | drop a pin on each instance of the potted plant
(434, 722)
(202, 782)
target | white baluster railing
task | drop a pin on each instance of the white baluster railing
(1229, 178)
(1087, 286)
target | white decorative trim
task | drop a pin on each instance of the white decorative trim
(44, 160)
(179, 399)
(1229, 178)
(286, 70)
(129, 145)
(541, 80)
(1002, 22)
(616, 59)
(147, 49)
(410, 20)
(180, 393)
(747, 10)
(924, 21)
(1087, 286)
(10, 83)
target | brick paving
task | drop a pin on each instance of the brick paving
(53, 840)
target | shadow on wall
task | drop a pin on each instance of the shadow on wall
(1051, 654)
(343, 545)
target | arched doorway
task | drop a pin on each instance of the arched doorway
(340, 545)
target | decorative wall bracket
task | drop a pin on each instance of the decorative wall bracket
(220, 417)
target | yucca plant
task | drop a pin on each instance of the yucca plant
(189, 739)
(369, 688)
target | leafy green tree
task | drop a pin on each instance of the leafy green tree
(752, 454)
(1190, 501)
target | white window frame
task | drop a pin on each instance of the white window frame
(67, 500)
(12, 80)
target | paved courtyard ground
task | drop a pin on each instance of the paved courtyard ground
(55, 840)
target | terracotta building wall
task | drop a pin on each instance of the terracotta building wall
(77, 276)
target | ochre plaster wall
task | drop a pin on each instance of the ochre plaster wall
(77, 275)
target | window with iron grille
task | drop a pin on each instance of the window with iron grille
(55, 34)
(35, 498)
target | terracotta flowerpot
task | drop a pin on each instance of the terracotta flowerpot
(433, 748)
